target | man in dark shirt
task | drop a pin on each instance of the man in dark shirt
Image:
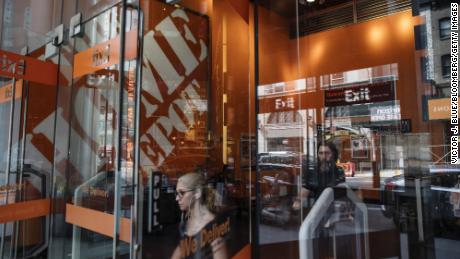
(326, 173)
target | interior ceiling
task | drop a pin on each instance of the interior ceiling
(287, 8)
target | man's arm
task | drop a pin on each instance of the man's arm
(304, 192)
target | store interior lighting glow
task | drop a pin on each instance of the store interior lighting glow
(310, 1)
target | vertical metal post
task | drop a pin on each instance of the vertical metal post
(132, 236)
(22, 154)
(355, 12)
(256, 215)
(76, 235)
(306, 120)
(50, 193)
(334, 243)
(2, 4)
(418, 198)
(136, 219)
(118, 171)
(8, 162)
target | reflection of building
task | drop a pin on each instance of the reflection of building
(282, 131)
(350, 90)
(433, 39)
(360, 104)
(283, 124)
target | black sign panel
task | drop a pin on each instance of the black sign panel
(156, 198)
(376, 92)
(401, 126)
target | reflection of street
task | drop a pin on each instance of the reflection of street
(364, 180)
(277, 234)
(380, 228)
(361, 181)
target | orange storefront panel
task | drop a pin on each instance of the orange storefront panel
(104, 55)
(439, 109)
(24, 210)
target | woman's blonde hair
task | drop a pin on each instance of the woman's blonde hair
(195, 181)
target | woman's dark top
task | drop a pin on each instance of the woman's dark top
(202, 241)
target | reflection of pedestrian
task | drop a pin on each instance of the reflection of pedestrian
(197, 202)
(327, 173)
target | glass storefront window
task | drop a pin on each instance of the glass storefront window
(228, 129)
(195, 134)
(362, 156)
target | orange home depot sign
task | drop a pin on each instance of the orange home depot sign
(439, 109)
(24, 210)
(27, 68)
(174, 103)
(104, 55)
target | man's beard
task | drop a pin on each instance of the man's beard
(326, 166)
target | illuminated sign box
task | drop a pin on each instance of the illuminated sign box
(439, 109)
(386, 113)
(376, 92)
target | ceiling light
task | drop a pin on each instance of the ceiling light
(304, 2)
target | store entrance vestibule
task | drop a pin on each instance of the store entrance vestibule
(119, 113)
(25, 196)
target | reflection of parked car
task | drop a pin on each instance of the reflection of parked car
(280, 159)
(398, 197)
(276, 201)
(282, 166)
(278, 174)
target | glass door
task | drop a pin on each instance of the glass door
(24, 174)
(101, 176)
(196, 141)
(9, 113)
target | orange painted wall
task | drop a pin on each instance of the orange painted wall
(200, 6)
(275, 54)
(236, 77)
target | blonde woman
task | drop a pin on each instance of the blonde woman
(196, 201)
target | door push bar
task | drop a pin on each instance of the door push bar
(317, 213)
